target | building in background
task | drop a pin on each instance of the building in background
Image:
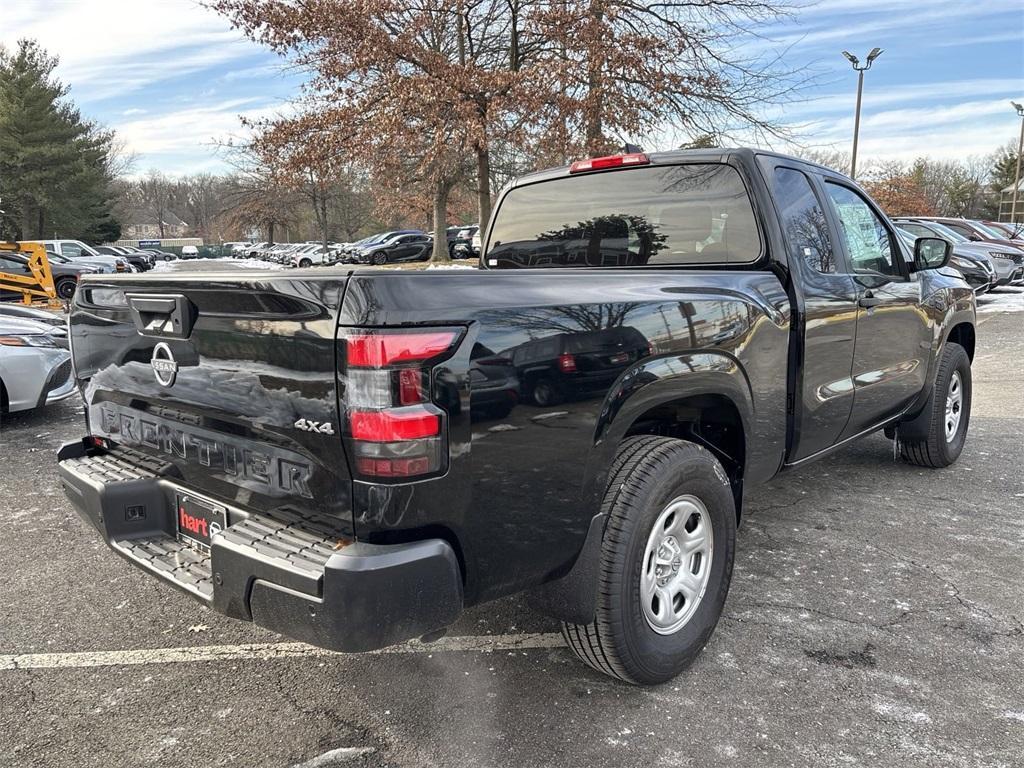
(145, 226)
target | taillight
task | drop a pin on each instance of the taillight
(394, 429)
(566, 363)
(611, 161)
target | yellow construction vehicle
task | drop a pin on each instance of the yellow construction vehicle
(35, 287)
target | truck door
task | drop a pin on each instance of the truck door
(890, 361)
(823, 361)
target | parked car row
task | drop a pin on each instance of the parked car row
(988, 254)
(393, 246)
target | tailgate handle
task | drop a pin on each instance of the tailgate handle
(171, 315)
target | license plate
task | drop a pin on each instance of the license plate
(622, 357)
(198, 521)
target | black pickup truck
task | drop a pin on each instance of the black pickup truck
(351, 457)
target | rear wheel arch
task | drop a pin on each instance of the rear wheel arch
(711, 420)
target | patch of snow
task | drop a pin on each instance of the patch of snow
(451, 266)
(183, 265)
(504, 428)
(1006, 299)
(548, 415)
(335, 757)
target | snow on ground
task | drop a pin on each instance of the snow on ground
(1006, 299)
(187, 265)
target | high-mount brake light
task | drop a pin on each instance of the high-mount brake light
(611, 161)
(394, 429)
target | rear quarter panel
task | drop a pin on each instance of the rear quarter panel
(523, 485)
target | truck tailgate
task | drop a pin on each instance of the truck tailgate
(230, 380)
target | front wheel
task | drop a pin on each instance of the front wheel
(379, 258)
(666, 561)
(305, 263)
(936, 437)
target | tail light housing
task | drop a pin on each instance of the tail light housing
(394, 430)
(566, 363)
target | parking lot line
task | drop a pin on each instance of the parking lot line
(260, 651)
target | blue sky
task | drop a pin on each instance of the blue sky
(172, 78)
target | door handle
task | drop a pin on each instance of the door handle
(868, 300)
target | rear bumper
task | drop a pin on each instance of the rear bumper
(287, 572)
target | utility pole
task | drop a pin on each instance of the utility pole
(1016, 175)
(860, 69)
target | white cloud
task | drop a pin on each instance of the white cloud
(181, 133)
(110, 47)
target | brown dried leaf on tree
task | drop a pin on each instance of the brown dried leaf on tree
(423, 94)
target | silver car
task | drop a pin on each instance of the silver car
(35, 365)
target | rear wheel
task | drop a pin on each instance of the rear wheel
(666, 561)
(546, 394)
(65, 288)
(936, 437)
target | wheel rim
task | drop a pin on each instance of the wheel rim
(677, 564)
(65, 289)
(954, 406)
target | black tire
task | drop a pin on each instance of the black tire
(545, 393)
(305, 263)
(65, 288)
(379, 258)
(648, 473)
(923, 442)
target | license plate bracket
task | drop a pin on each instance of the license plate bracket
(197, 520)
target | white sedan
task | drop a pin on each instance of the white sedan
(35, 365)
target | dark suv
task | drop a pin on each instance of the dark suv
(572, 365)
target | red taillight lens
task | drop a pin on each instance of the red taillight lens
(367, 465)
(394, 430)
(611, 161)
(410, 387)
(394, 424)
(378, 349)
(566, 363)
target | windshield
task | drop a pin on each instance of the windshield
(990, 231)
(931, 229)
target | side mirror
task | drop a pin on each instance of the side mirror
(931, 253)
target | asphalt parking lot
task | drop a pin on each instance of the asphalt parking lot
(875, 619)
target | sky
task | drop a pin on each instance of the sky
(172, 78)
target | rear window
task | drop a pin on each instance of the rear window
(656, 215)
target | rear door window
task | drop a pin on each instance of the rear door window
(690, 214)
(803, 220)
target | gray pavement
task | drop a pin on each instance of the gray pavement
(875, 619)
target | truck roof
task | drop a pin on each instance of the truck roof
(712, 155)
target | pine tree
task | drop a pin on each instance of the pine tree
(54, 165)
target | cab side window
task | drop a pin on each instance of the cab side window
(71, 250)
(866, 237)
(803, 220)
(12, 265)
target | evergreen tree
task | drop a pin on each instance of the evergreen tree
(54, 166)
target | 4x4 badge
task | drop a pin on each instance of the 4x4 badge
(164, 367)
(323, 427)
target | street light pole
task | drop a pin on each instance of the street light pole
(860, 69)
(1016, 175)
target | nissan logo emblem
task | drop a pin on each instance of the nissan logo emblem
(164, 367)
